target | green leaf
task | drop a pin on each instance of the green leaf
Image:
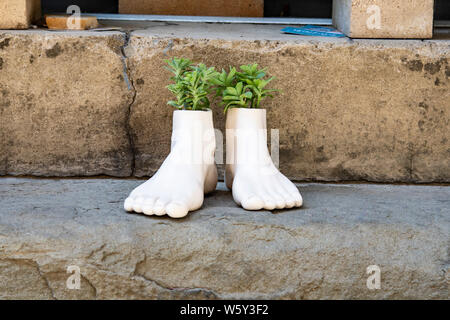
(230, 76)
(227, 98)
(260, 75)
(173, 104)
(231, 91)
(248, 95)
(239, 88)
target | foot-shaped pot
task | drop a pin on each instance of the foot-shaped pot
(187, 173)
(250, 173)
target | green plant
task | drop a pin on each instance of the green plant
(178, 66)
(243, 89)
(251, 71)
(224, 80)
(192, 84)
(236, 97)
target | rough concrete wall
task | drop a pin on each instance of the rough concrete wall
(64, 104)
(349, 110)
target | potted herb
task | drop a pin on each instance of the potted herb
(254, 180)
(192, 84)
(189, 170)
(243, 89)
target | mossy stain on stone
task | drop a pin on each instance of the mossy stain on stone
(55, 51)
(415, 65)
(4, 43)
(433, 68)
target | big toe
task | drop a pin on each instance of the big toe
(176, 210)
(128, 204)
(253, 203)
(137, 204)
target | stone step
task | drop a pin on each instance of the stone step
(384, 18)
(95, 103)
(321, 251)
(19, 14)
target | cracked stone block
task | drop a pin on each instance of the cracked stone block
(19, 14)
(64, 104)
(384, 18)
(230, 8)
(21, 278)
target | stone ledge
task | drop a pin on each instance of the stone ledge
(221, 251)
(384, 18)
(371, 110)
(64, 104)
(19, 14)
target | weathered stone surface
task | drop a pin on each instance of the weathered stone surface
(320, 251)
(384, 18)
(19, 14)
(374, 110)
(64, 104)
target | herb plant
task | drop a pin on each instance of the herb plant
(243, 89)
(192, 84)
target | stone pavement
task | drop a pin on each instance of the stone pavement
(221, 251)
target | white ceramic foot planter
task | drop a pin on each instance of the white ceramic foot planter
(250, 173)
(187, 173)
